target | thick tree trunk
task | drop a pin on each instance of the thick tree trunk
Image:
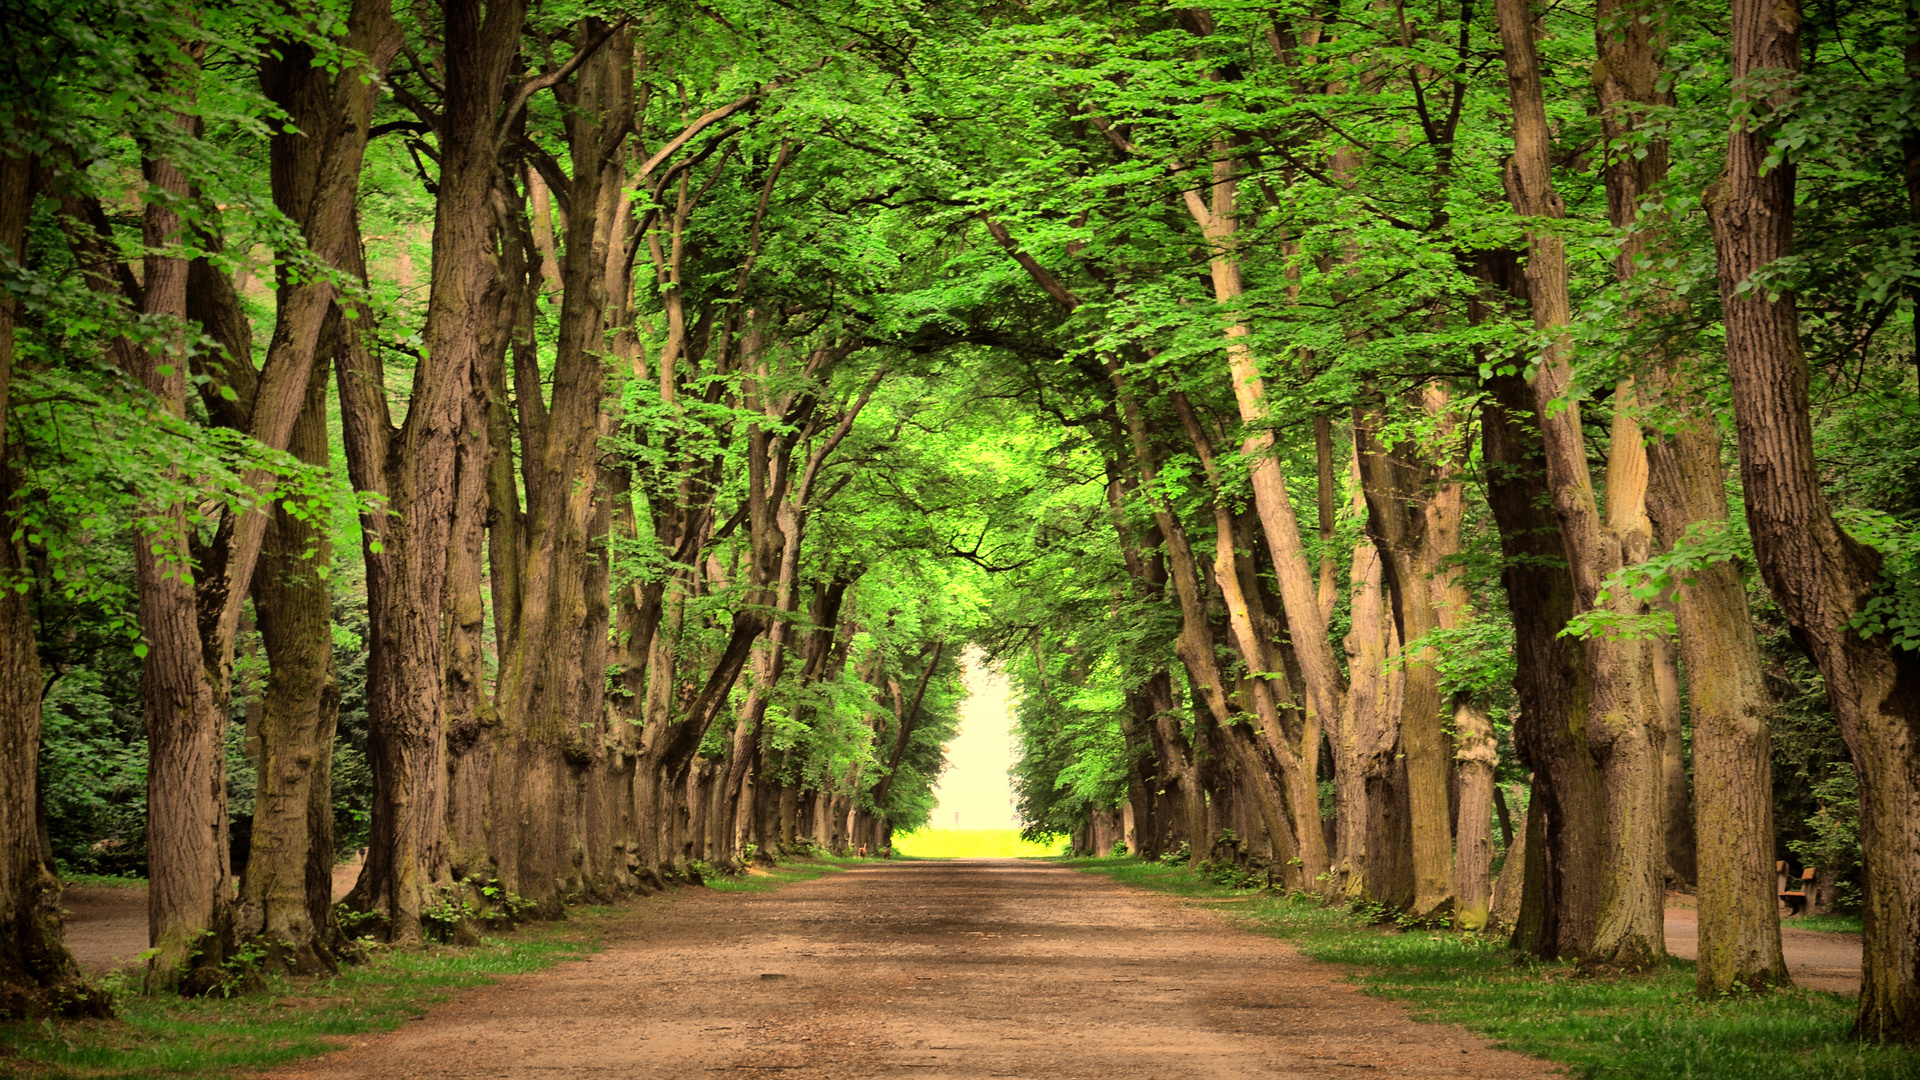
(414, 467)
(1732, 751)
(1682, 866)
(1324, 687)
(1405, 502)
(188, 899)
(1141, 834)
(1566, 814)
(1820, 576)
(469, 712)
(1375, 866)
(1195, 645)
(35, 967)
(1620, 732)
(1475, 756)
(293, 605)
(1509, 891)
(552, 668)
(1294, 747)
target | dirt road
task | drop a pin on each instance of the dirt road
(107, 926)
(937, 969)
(1816, 960)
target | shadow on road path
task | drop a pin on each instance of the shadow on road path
(971, 968)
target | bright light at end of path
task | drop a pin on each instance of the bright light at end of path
(976, 792)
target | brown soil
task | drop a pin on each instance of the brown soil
(970, 968)
(107, 927)
(1816, 960)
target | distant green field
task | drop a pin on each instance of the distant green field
(974, 844)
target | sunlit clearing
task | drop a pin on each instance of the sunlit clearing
(974, 844)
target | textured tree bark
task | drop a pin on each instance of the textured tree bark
(1739, 932)
(1732, 751)
(1664, 658)
(1409, 520)
(35, 967)
(188, 902)
(1508, 892)
(469, 711)
(1290, 736)
(1195, 644)
(1475, 756)
(1620, 732)
(1325, 687)
(1566, 815)
(1375, 861)
(1628, 77)
(315, 172)
(1818, 574)
(414, 467)
(293, 605)
(550, 693)
(1143, 833)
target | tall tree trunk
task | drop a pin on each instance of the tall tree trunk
(1620, 732)
(1400, 491)
(1566, 813)
(1664, 657)
(552, 673)
(1732, 751)
(1374, 865)
(1820, 576)
(1476, 754)
(1325, 688)
(1739, 926)
(1195, 644)
(414, 467)
(293, 605)
(1252, 628)
(35, 967)
(188, 906)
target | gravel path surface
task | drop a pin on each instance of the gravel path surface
(936, 969)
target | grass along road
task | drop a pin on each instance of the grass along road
(948, 969)
(1637, 1028)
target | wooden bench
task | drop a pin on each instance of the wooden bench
(1798, 903)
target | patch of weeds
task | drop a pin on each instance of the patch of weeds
(1648, 1027)
(509, 908)
(442, 919)
(355, 924)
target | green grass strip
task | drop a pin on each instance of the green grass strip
(1643, 1027)
(766, 879)
(1827, 924)
(216, 1038)
(294, 1018)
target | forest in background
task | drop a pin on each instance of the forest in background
(563, 449)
